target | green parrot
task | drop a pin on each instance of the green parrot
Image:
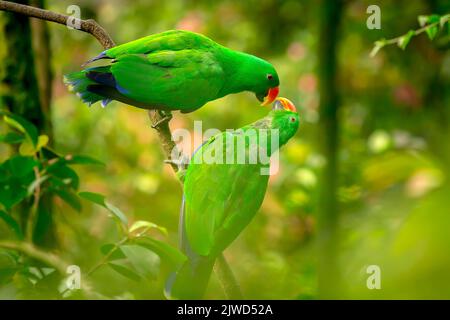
(221, 196)
(173, 70)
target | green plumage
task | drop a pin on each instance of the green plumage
(221, 199)
(173, 70)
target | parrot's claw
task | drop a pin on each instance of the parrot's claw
(181, 163)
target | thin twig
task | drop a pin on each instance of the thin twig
(382, 43)
(107, 256)
(32, 251)
(418, 31)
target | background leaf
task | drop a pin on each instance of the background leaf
(22, 125)
(12, 138)
(432, 32)
(169, 254)
(93, 197)
(404, 41)
(117, 213)
(70, 198)
(144, 261)
(123, 267)
(142, 224)
(11, 223)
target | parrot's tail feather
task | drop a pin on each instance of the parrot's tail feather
(100, 77)
(105, 102)
(191, 280)
(100, 56)
(79, 82)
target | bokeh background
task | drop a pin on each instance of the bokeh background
(386, 204)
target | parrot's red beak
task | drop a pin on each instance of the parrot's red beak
(271, 95)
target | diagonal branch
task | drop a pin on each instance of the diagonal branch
(222, 269)
(32, 251)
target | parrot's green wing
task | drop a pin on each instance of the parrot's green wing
(184, 79)
(221, 199)
(172, 40)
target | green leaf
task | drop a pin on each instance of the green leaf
(124, 269)
(432, 32)
(69, 197)
(42, 142)
(100, 200)
(116, 254)
(168, 254)
(20, 166)
(12, 224)
(79, 159)
(423, 20)
(12, 138)
(12, 193)
(117, 213)
(22, 125)
(49, 154)
(443, 20)
(433, 18)
(65, 173)
(144, 261)
(146, 225)
(93, 197)
(27, 148)
(106, 248)
(404, 40)
(7, 274)
(16, 174)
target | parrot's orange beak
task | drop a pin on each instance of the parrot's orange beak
(284, 103)
(271, 95)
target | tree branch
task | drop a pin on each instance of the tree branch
(33, 252)
(165, 137)
(159, 123)
(89, 26)
(227, 279)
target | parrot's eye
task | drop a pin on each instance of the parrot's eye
(292, 119)
(269, 76)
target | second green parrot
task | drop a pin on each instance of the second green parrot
(222, 194)
(173, 70)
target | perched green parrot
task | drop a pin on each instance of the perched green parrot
(173, 70)
(222, 196)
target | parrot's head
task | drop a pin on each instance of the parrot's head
(285, 118)
(266, 83)
(246, 72)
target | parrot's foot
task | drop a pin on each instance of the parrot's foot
(161, 117)
(181, 164)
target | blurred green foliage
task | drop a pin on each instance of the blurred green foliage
(394, 156)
